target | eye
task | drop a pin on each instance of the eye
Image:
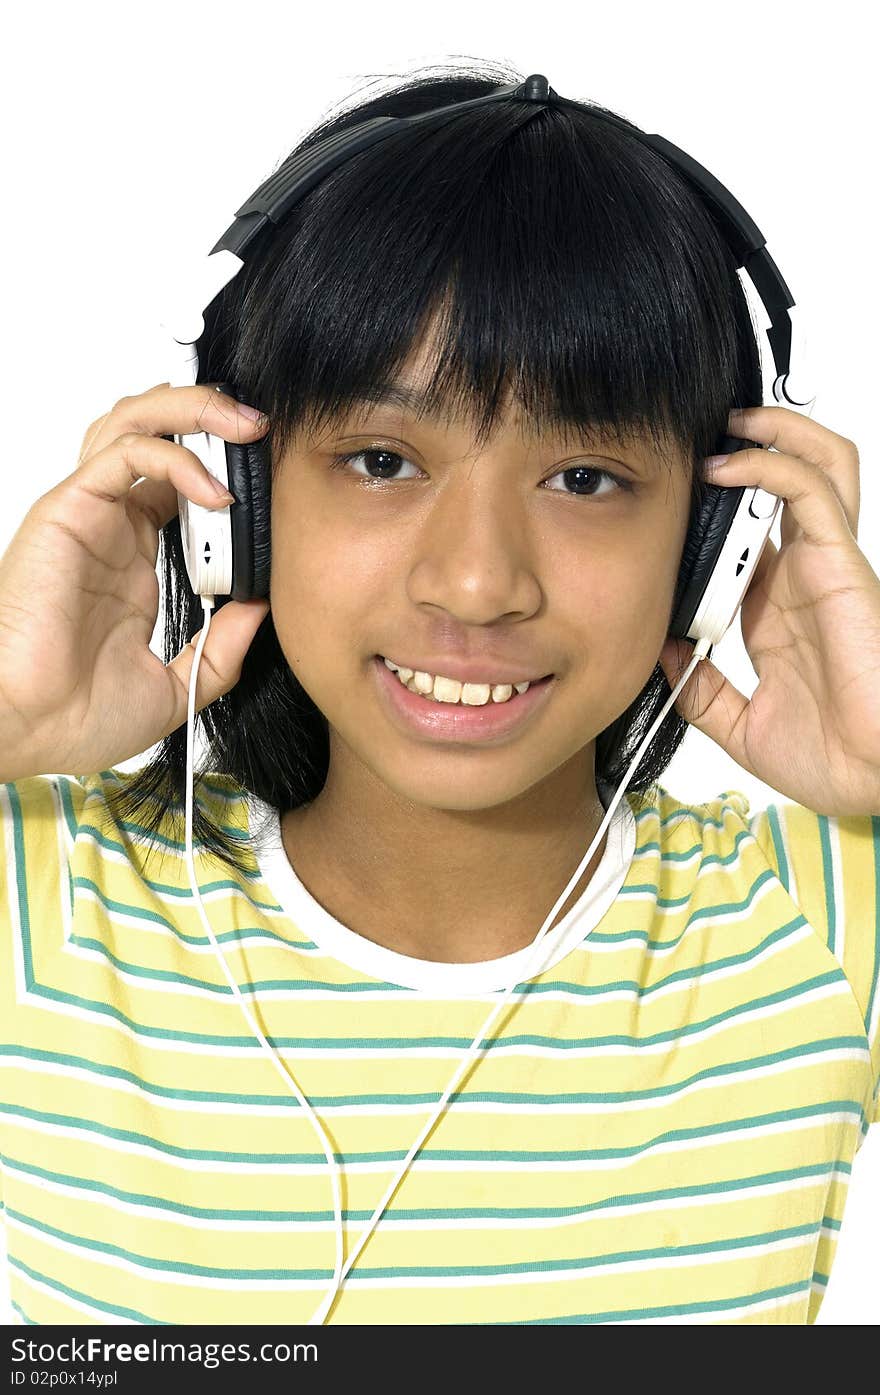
(584, 476)
(384, 464)
(381, 464)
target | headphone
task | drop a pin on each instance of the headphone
(227, 551)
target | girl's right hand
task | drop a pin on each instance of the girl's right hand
(80, 688)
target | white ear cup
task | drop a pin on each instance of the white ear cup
(746, 538)
(206, 534)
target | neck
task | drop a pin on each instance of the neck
(454, 886)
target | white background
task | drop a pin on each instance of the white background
(133, 132)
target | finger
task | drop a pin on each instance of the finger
(806, 488)
(107, 479)
(153, 502)
(164, 411)
(795, 434)
(231, 631)
(91, 431)
(708, 701)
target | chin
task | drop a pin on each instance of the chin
(459, 786)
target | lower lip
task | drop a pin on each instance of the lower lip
(449, 721)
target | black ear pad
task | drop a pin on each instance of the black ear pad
(250, 480)
(704, 541)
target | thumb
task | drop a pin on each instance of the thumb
(708, 700)
(231, 634)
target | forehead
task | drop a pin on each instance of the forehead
(406, 398)
(428, 386)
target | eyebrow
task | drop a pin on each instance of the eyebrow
(409, 398)
(415, 400)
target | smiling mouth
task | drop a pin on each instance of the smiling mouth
(452, 692)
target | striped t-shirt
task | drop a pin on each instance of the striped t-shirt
(661, 1129)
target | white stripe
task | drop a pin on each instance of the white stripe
(786, 843)
(12, 892)
(421, 1164)
(175, 900)
(394, 995)
(364, 1052)
(720, 1315)
(718, 1196)
(63, 850)
(837, 890)
(589, 1108)
(171, 1276)
(59, 1297)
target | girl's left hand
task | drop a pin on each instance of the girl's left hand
(810, 624)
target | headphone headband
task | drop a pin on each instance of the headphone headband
(270, 203)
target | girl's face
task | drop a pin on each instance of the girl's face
(518, 560)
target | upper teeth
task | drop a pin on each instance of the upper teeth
(450, 689)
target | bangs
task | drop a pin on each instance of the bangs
(542, 255)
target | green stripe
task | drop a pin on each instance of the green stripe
(363, 1272)
(523, 990)
(204, 1038)
(722, 860)
(95, 794)
(610, 1315)
(779, 846)
(482, 1155)
(724, 1187)
(630, 935)
(165, 975)
(63, 785)
(827, 879)
(125, 909)
(179, 893)
(87, 1298)
(710, 1305)
(831, 910)
(869, 1012)
(418, 1097)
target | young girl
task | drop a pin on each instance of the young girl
(493, 355)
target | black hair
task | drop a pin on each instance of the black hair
(562, 257)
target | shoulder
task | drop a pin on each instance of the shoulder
(830, 868)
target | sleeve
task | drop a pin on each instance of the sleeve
(831, 869)
(39, 816)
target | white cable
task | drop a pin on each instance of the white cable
(701, 649)
(207, 606)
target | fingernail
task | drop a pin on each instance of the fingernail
(220, 490)
(714, 462)
(253, 412)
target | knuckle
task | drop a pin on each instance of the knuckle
(207, 400)
(129, 440)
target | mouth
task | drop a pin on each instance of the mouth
(424, 715)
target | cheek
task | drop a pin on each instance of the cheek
(326, 584)
(617, 605)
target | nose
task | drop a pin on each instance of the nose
(474, 554)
